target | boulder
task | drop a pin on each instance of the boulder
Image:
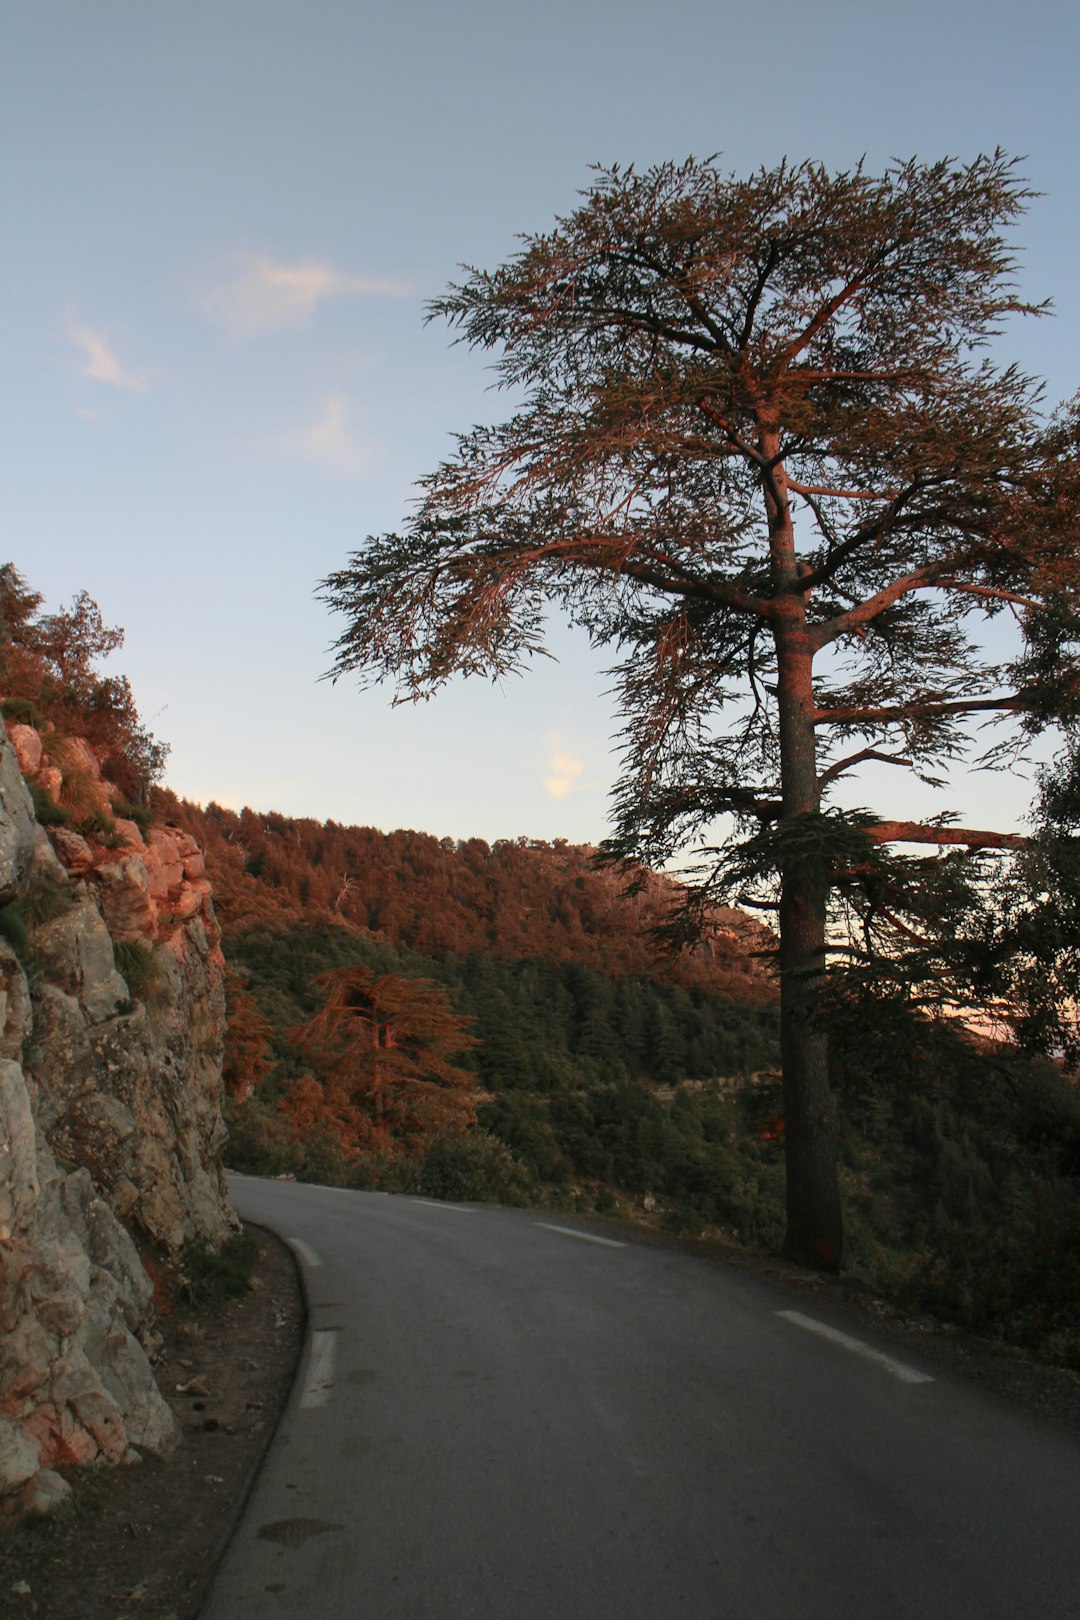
(78, 949)
(45, 1493)
(74, 852)
(125, 898)
(26, 741)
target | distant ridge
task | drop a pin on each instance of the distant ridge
(515, 899)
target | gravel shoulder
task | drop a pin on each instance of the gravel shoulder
(143, 1543)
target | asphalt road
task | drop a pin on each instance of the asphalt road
(497, 1419)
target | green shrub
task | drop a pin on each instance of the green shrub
(45, 899)
(140, 814)
(475, 1167)
(47, 813)
(140, 966)
(23, 712)
(13, 929)
(42, 900)
(101, 828)
(214, 1274)
(262, 1143)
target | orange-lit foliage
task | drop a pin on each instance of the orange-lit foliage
(48, 662)
(310, 1108)
(247, 1059)
(383, 1044)
(515, 899)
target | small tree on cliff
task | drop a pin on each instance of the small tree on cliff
(48, 662)
(383, 1044)
(759, 453)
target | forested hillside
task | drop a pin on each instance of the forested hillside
(609, 1076)
(517, 899)
(605, 1067)
(479, 1021)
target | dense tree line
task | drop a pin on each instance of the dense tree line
(514, 899)
(621, 1085)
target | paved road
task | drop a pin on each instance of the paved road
(498, 1420)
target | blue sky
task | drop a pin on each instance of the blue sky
(223, 220)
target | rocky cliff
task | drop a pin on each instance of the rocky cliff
(111, 1030)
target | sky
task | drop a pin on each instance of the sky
(223, 219)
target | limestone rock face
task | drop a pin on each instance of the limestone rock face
(110, 1121)
(28, 748)
(18, 828)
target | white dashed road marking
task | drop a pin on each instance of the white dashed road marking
(305, 1251)
(320, 1376)
(586, 1237)
(898, 1369)
(432, 1203)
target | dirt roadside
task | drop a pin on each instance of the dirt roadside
(142, 1543)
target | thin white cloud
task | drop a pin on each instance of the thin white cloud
(333, 440)
(100, 363)
(267, 297)
(565, 770)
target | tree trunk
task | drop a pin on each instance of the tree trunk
(814, 1219)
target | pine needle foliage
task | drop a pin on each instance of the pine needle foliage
(759, 450)
(384, 1044)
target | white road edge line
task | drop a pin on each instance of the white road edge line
(304, 1250)
(320, 1377)
(586, 1237)
(898, 1369)
(435, 1203)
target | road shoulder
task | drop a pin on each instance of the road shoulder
(145, 1541)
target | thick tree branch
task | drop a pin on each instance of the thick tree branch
(637, 321)
(727, 427)
(824, 315)
(842, 494)
(914, 832)
(805, 374)
(771, 261)
(868, 610)
(1014, 703)
(868, 533)
(719, 591)
(861, 758)
(994, 592)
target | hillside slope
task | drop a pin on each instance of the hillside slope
(516, 900)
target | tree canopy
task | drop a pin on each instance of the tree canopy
(49, 673)
(384, 1045)
(760, 450)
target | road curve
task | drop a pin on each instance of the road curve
(498, 1417)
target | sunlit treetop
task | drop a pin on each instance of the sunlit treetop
(758, 447)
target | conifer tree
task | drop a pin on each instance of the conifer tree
(49, 665)
(383, 1044)
(758, 449)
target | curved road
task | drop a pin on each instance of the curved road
(500, 1416)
